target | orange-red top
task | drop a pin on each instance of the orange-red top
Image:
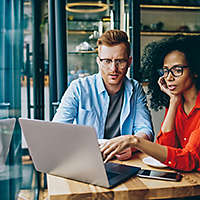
(183, 142)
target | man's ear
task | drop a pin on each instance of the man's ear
(97, 60)
(129, 61)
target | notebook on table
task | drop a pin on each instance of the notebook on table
(71, 151)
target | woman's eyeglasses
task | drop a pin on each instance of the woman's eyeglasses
(120, 63)
(175, 70)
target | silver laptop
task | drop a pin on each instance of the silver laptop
(71, 151)
(6, 132)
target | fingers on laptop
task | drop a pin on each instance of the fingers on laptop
(118, 145)
(109, 150)
(110, 156)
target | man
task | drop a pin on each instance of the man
(108, 101)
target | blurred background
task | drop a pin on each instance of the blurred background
(45, 44)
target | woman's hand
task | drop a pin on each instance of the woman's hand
(118, 145)
(174, 99)
(163, 86)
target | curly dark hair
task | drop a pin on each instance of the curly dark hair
(153, 58)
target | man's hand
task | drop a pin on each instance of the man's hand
(125, 154)
(119, 147)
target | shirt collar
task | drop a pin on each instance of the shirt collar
(197, 104)
(129, 85)
(101, 88)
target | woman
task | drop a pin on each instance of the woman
(178, 142)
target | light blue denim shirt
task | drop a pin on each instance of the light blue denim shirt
(86, 102)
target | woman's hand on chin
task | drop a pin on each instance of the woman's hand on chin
(174, 99)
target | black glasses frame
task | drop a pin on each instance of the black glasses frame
(161, 71)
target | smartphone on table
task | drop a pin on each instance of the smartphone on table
(161, 175)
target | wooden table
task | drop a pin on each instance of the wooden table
(135, 188)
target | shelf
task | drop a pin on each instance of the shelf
(167, 33)
(82, 20)
(79, 32)
(27, 32)
(82, 52)
(175, 7)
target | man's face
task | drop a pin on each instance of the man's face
(113, 64)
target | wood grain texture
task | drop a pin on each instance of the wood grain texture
(135, 188)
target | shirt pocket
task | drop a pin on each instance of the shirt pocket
(88, 116)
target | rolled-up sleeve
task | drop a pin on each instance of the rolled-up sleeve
(143, 122)
(185, 159)
(68, 107)
(167, 138)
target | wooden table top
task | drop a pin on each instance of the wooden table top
(135, 188)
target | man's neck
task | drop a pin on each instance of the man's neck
(114, 89)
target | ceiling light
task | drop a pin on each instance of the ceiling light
(86, 7)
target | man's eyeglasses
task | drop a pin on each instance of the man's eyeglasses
(175, 70)
(120, 63)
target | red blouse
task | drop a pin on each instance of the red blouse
(183, 142)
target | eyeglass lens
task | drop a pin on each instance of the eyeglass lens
(118, 62)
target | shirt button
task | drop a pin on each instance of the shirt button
(185, 138)
(169, 162)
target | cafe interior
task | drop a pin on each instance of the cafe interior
(46, 44)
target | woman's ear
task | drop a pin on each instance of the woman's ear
(195, 75)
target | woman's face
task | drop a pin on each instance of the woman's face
(183, 83)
